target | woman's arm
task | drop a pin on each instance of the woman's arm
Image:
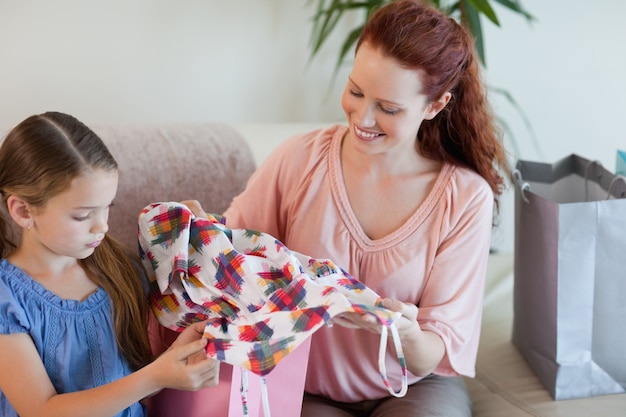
(24, 381)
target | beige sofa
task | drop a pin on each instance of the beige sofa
(211, 162)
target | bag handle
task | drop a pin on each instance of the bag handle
(589, 165)
(613, 182)
(399, 352)
(243, 391)
(523, 186)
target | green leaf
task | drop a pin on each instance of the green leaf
(516, 7)
(348, 44)
(328, 15)
(484, 7)
(328, 18)
(471, 18)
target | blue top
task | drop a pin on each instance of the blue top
(75, 339)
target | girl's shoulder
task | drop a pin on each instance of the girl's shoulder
(21, 292)
(13, 299)
(11, 279)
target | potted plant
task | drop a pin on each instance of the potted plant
(467, 12)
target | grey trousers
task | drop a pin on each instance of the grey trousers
(433, 396)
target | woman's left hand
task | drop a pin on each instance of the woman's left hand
(196, 208)
(407, 322)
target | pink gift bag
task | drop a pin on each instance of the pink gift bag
(285, 387)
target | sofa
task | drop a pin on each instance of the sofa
(211, 162)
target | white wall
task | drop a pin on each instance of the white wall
(568, 72)
(246, 61)
(162, 60)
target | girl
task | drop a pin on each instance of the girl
(73, 312)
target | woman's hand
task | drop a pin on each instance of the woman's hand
(196, 208)
(406, 323)
(423, 349)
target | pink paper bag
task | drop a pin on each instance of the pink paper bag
(285, 387)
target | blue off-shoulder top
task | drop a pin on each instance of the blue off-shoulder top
(75, 339)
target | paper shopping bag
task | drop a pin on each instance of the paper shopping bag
(224, 400)
(620, 163)
(570, 276)
(285, 387)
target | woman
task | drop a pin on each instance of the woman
(402, 198)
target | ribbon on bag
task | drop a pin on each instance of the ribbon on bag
(261, 299)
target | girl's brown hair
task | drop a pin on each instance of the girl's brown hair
(39, 158)
(423, 38)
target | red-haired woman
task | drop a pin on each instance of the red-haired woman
(403, 199)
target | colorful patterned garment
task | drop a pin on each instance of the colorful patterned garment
(261, 300)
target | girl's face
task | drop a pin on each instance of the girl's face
(73, 222)
(384, 104)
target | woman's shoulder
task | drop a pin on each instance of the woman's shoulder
(299, 156)
(308, 145)
(463, 192)
(466, 181)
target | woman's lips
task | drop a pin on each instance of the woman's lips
(365, 135)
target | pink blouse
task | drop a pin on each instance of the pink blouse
(436, 260)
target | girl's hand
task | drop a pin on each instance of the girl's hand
(190, 334)
(186, 367)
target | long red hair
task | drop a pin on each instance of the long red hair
(423, 38)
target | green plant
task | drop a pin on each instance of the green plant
(467, 12)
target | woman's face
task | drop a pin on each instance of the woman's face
(384, 104)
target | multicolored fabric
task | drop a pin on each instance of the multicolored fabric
(261, 299)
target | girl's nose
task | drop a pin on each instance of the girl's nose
(102, 224)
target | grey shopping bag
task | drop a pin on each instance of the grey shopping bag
(570, 276)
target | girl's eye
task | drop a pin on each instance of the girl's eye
(82, 218)
(356, 93)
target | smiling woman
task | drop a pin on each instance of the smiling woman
(402, 198)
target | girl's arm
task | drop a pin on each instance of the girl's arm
(24, 381)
